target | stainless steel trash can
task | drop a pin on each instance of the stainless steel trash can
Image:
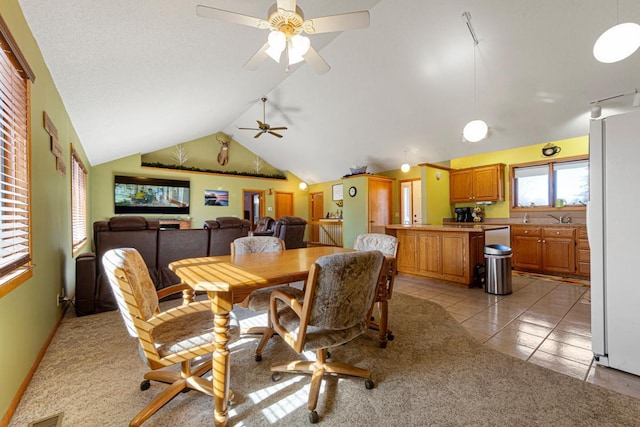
(498, 269)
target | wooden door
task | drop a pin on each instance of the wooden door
(283, 204)
(254, 206)
(316, 211)
(379, 205)
(488, 183)
(460, 185)
(407, 249)
(430, 253)
(454, 248)
(558, 255)
(526, 252)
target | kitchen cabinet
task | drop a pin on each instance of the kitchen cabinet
(549, 249)
(583, 253)
(448, 253)
(479, 184)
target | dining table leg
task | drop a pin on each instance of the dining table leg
(221, 306)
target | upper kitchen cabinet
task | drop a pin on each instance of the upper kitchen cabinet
(479, 184)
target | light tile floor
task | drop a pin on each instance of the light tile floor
(543, 321)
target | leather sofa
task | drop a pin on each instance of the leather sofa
(158, 248)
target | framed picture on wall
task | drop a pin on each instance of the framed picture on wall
(336, 192)
(216, 198)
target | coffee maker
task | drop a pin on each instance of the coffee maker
(463, 215)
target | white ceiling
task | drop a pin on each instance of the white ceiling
(139, 76)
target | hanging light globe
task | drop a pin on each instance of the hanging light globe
(405, 167)
(617, 43)
(475, 131)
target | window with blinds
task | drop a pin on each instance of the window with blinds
(15, 224)
(78, 202)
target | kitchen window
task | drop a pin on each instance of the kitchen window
(15, 186)
(78, 202)
(558, 184)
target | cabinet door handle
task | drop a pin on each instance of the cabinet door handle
(526, 231)
(539, 240)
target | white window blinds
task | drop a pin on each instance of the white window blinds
(14, 154)
(78, 201)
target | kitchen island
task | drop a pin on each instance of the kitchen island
(446, 252)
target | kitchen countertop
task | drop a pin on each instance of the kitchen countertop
(453, 227)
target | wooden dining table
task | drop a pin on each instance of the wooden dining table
(229, 279)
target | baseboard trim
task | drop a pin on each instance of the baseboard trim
(27, 379)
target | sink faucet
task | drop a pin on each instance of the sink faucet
(562, 220)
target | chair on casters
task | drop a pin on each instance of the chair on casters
(259, 300)
(388, 245)
(178, 335)
(338, 296)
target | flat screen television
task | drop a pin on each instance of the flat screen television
(140, 195)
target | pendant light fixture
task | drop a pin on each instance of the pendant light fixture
(406, 167)
(476, 130)
(618, 42)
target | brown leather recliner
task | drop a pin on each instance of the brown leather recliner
(265, 227)
(291, 230)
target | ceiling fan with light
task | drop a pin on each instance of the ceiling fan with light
(263, 126)
(286, 23)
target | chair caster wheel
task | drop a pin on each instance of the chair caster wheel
(185, 390)
(368, 383)
(313, 417)
(390, 337)
(275, 377)
(372, 318)
(144, 385)
(258, 358)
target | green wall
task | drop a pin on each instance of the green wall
(102, 184)
(29, 313)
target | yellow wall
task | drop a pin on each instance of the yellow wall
(569, 147)
(28, 313)
(435, 193)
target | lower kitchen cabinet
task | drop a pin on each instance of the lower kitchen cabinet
(549, 249)
(583, 253)
(446, 253)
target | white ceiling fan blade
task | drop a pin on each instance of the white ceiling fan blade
(315, 61)
(235, 18)
(287, 6)
(257, 59)
(329, 24)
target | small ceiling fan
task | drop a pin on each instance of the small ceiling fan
(263, 126)
(285, 22)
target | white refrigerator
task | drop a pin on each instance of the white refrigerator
(614, 238)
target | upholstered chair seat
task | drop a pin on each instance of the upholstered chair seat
(339, 292)
(258, 300)
(388, 245)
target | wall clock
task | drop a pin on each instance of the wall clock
(353, 191)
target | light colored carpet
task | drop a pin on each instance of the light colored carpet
(433, 373)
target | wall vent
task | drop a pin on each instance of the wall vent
(50, 421)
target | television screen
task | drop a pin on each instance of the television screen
(150, 196)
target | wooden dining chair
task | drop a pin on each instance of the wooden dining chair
(388, 245)
(258, 300)
(178, 335)
(339, 293)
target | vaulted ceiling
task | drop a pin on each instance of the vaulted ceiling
(139, 76)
